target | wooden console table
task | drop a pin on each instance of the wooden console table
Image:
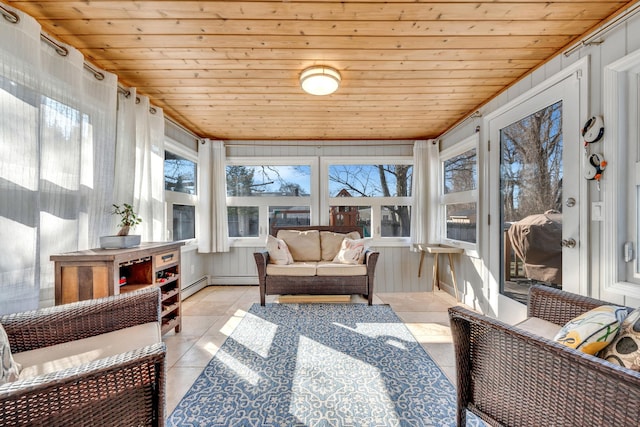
(436, 250)
(97, 273)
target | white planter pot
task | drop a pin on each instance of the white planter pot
(120, 242)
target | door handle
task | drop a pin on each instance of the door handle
(568, 243)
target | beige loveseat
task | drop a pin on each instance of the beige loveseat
(313, 268)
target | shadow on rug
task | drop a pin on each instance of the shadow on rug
(320, 365)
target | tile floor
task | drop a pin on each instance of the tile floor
(210, 315)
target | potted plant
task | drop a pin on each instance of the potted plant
(128, 219)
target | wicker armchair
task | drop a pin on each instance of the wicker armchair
(123, 390)
(509, 377)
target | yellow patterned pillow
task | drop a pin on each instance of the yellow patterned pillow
(592, 331)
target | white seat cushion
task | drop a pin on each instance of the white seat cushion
(539, 327)
(326, 268)
(67, 355)
(295, 269)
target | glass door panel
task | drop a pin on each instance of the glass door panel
(531, 173)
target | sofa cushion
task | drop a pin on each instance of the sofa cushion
(295, 269)
(73, 353)
(328, 268)
(278, 251)
(9, 368)
(304, 245)
(539, 327)
(592, 331)
(330, 243)
(352, 251)
(624, 350)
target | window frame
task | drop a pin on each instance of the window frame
(375, 202)
(619, 183)
(263, 203)
(468, 196)
(179, 198)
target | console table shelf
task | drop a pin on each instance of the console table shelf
(97, 273)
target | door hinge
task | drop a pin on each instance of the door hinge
(488, 219)
(488, 145)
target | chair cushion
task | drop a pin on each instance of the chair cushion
(304, 245)
(9, 369)
(327, 268)
(278, 251)
(539, 327)
(592, 331)
(295, 269)
(330, 243)
(73, 353)
(624, 350)
(352, 251)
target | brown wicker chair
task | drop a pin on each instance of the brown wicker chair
(509, 377)
(123, 390)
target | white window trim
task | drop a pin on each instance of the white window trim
(174, 197)
(469, 143)
(263, 207)
(376, 203)
(616, 180)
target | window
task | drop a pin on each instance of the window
(621, 188)
(180, 183)
(263, 193)
(371, 194)
(459, 192)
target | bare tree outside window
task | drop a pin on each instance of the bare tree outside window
(376, 181)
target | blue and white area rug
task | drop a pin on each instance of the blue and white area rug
(320, 365)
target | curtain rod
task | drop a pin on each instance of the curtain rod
(9, 15)
(620, 19)
(61, 50)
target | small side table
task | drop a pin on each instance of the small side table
(436, 250)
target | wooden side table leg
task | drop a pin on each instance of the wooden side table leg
(436, 278)
(453, 276)
(421, 261)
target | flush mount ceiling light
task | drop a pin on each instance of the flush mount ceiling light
(320, 80)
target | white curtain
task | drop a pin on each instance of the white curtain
(57, 129)
(425, 215)
(139, 165)
(125, 149)
(148, 192)
(212, 185)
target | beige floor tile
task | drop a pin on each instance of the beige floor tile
(178, 383)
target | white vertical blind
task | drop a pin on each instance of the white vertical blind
(57, 129)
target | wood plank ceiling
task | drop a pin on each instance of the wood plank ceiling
(230, 69)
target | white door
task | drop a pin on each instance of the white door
(535, 194)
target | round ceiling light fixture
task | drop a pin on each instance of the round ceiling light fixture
(320, 80)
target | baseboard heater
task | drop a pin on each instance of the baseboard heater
(195, 287)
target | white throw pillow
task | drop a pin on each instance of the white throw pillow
(352, 251)
(330, 243)
(9, 369)
(278, 251)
